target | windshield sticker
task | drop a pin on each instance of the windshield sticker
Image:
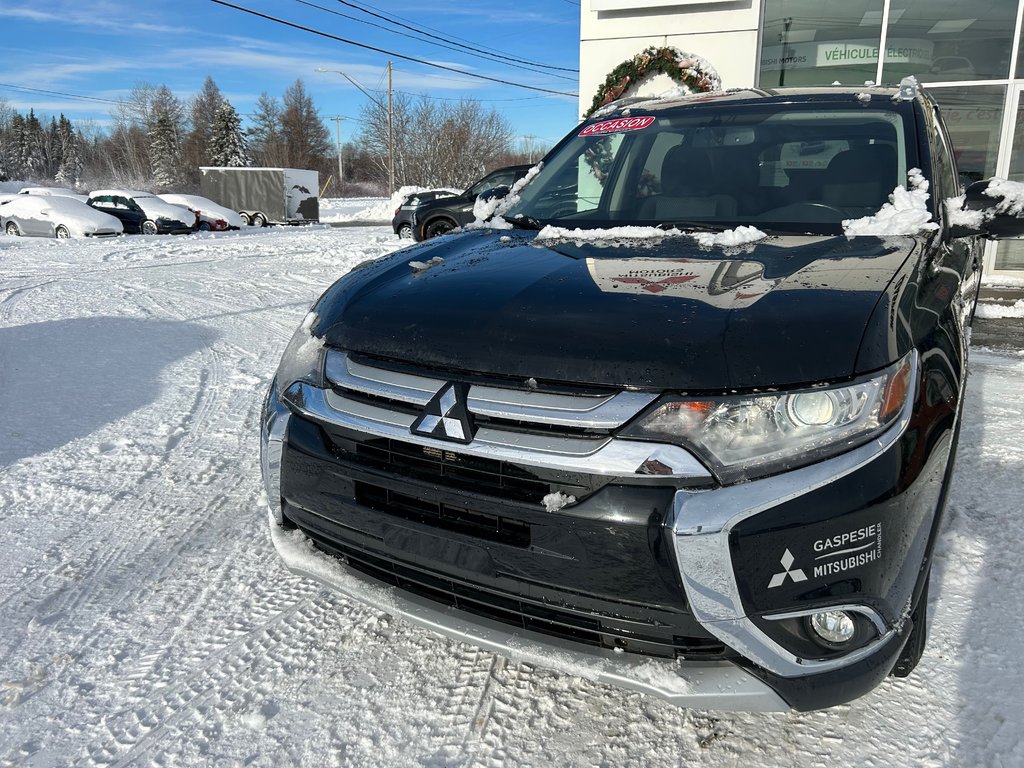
(618, 125)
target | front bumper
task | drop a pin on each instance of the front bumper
(731, 546)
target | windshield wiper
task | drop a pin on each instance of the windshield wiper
(524, 222)
(691, 226)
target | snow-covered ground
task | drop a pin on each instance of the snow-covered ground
(145, 618)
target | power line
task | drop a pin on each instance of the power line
(385, 51)
(458, 48)
(13, 87)
(358, 7)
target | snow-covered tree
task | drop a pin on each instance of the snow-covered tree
(166, 125)
(203, 117)
(227, 143)
(70, 170)
(30, 147)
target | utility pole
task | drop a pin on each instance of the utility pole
(391, 120)
(341, 168)
(391, 138)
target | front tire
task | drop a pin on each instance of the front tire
(438, 227)
(149, 227)
(62, 232)
(204, 226)
(259, 220)
(405, 232)
(12, 229)
(246, 221)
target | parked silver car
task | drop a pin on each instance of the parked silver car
(55, 216)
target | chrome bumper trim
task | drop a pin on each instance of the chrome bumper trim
(703, 521)
(606, 457)
(273, 427)
(699, 685)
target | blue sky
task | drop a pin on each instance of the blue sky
(101, 48)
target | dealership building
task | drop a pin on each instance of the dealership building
(967, 55)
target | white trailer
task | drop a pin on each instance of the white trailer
(265, 195)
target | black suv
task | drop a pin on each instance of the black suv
(682, 419)
(401, 224)
(443, 214)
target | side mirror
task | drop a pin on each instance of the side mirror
(494, 193)
(1001, 204)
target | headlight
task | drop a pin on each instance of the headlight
(303, 358)
(748, 436)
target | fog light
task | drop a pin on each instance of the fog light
(835, 627)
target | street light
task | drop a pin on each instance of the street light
(391, 132)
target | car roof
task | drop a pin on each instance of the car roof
(837, 94)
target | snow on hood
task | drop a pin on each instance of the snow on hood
(906, 213)
(156, 208)
(731, 237)
(207, 208)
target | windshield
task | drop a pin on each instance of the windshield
(780, 167)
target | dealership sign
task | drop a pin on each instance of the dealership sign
(845, 54)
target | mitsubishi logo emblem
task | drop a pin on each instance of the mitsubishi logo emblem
(446, 416)
(796, 574)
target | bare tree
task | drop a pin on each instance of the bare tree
(435, 143)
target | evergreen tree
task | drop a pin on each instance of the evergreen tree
(306, 137)
(30, 147)
(265, 140)
(166, 124)
(203, 113)
(227, 144)
(70, 170)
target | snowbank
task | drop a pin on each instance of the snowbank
(991, 311)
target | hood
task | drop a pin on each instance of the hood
(155, 208)
(660, 314)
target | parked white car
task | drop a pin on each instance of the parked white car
(212, 217)
(53, 192)
(54, 216)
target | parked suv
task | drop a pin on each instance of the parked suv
(681, 418)
(443, 214)
(402, 221)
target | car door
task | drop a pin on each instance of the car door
(38, 222)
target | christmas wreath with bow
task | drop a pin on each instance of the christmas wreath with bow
(690, 72)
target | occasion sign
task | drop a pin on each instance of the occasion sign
(617, 126)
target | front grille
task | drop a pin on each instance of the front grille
(650, 637)
(437, 514)
(453, 470)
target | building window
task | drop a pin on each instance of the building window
(947, 41)
(973, 115)
(807, 42)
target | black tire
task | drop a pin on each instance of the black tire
(204, 226)
(62, 232)
(246, 221)
(149, 227)
(914, 648)
(405, 232)
(12, 229)
(438, 227)
(259, 220)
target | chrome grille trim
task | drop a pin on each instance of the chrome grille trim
(581, 411)
(607, 457)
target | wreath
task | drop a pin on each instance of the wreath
(692, 74)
